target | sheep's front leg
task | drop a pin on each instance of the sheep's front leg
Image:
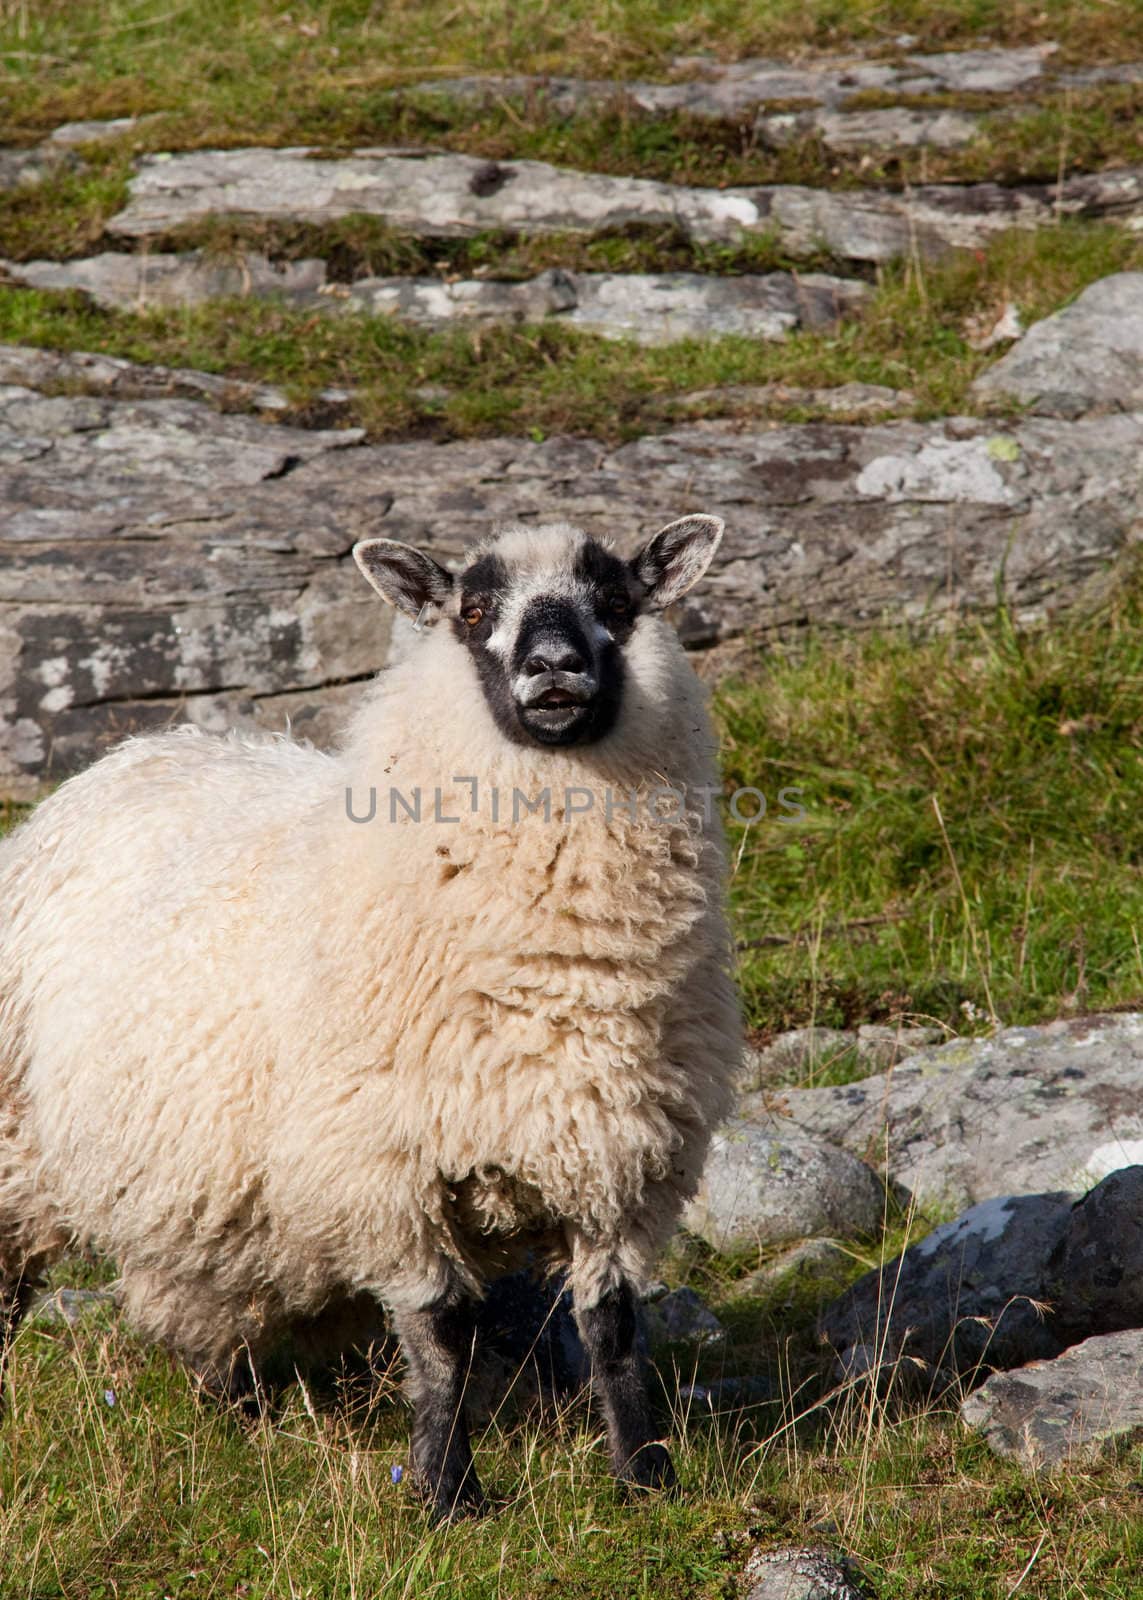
(609, 1331)
(15, 1297)
(438, 1343)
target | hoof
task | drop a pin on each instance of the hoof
(468, 1501)
(647, 1470)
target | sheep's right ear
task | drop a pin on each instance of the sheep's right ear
(676, 558)
(407, 578)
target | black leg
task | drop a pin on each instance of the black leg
(15, 1297)
(438, 1345)
(608, 1330)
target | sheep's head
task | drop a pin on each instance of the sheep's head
(545, 614)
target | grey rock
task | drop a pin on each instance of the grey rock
(680, 1317)
(651, 308)
(761, 1188)
(21, 168)
(1094, 1276)
(1030, 1110)
(864, 400)
(795, 1056)
(811, 1262)
(119, 280)
(454, 196)
(890, 128)
(160, 561)
(1065, 1410)
(96, 132)
(1087, 357)
(881, 1045)
(960, 1301)
(68, 1307)
(717, 90)
(798, 1574)
(725, 1394)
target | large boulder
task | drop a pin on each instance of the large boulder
(761, 1189)
(960, 1302)
(1030, 1110)
(1087, 357)
(1066, 1410)
(161, 561)
(1094, 1275)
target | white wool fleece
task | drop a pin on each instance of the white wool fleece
(268, 1057)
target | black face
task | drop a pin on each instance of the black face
(550, 654)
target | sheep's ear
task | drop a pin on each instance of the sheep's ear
(676, 558)
(407, 578)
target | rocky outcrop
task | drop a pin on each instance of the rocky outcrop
(433, 195)
(162, 560)
(1087, 357)
(651, 308)
(1066, 1410)
(1030, 1110)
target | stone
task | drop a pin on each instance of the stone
(1068, 1410)
(813, 1262)
(759, 1188)
(1029, 1110)
(890, 128)
(651, 308)
(432, 195)
(1087, 357)
(1094, 1276)
(798, 1574)
(68, 1307)
(222, 589)
(21, 168)
(960, 1302)
(680, 1317)
(97, 132)
(795, 1056)
(862, 400)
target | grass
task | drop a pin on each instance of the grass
(115, 1482)
(980, 792)
(548, 378)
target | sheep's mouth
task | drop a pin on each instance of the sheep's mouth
(557, 715)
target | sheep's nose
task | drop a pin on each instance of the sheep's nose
(555, 658)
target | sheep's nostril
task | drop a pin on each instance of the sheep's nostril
(535, 665)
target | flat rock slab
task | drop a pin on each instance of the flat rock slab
(798, 1574)
(959, 1302)
(1065, 1410)
(160, 560)
(457, 196)
(1029, 1111)
(651, 308)
(714, 90)
(1087, 357)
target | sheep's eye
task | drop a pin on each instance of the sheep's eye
(473, 616)
(618, 605)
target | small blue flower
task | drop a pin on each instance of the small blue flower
(109, 1397)
(396, 1473)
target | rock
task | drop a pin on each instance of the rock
(758, 1188)
(680, 1317)
(1066, 1410)
(1095, 1273)
(1087, 357)
(891, 128)
(959, 1301)
(67, 1307)
(803, 1053)
(97, 132)
(221, 589)
(449, 196)
(718, 90)
(811, 1262)
(864, 400)
(1030, 1110)
(725, 1394)
(21, 168)
(651, 308)
(798, 1574)
(881, 1044)
(116, 279)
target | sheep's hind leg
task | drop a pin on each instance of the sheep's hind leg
(438, 1343)
(15, 1297)
(609, 1330)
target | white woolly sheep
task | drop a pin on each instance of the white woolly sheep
(274, 1057)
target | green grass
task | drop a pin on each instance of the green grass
(548, 378)
(264, 65)
(981, 791)
(156, 1495)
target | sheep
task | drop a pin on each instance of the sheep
(277, 1051)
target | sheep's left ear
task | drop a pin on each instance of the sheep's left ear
(407, 578)
(676, 558)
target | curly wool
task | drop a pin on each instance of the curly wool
(269, 1058)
